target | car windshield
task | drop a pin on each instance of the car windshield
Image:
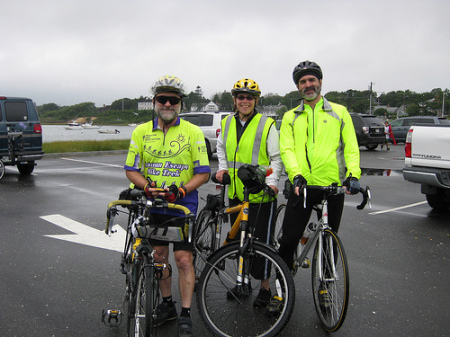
(372, 120)
(200, 120)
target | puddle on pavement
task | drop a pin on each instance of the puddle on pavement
(380, 172)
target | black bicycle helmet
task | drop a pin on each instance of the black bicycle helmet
(306, 68)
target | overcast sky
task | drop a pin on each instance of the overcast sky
(68, 52)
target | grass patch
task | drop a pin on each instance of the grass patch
(86, 146)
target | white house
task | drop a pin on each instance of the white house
(211, 107)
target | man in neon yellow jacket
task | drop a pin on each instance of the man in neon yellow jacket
(318, 146)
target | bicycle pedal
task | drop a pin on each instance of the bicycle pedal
(305, 264)
(112, 318)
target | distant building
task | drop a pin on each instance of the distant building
(392, 110)
(210, 107)
(270, 110)
(145, 105)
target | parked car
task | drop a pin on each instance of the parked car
(209, 122)
(400, 126)
(20, 133)
(369, 130)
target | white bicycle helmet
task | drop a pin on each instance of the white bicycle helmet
(168, 83)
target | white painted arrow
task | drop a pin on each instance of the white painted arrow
(86, 235)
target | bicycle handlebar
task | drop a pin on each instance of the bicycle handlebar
(226, 180)
(142, 201)
(334, 189)
(367, 196)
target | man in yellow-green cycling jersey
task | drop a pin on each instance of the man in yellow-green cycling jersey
(170, 153)
(318, 146)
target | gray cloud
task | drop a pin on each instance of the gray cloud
(69, 52)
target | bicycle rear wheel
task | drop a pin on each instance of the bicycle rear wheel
(146, 302)
(228, 314)
(330, 281)
(205, 240)
(281, 210)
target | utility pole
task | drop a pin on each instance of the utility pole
(370, 99)
(443, 101)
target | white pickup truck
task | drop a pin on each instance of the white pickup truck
(427, 162)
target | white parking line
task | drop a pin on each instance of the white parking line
(92, 162)
(398, 208)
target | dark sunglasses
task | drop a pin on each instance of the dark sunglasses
(171, 99)
(242, 97)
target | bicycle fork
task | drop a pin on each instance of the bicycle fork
(243, 286)
(326, 262)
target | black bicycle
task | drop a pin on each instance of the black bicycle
(138, 264)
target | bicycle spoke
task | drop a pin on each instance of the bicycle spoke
(330, 281)
(228, 308)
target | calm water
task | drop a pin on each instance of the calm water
(54, 133)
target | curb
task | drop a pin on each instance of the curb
(84, 154)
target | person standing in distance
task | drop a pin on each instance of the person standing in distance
(248, 137)
(170, 153)
(318, 146)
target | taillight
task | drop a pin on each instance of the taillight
(217, 133)
(37, 128)
(408, 143)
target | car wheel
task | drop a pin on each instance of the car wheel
(26, 168)
(438, 201)
(208, 149)
(371, 147)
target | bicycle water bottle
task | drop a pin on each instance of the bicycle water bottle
(265, 170)
(310, 229)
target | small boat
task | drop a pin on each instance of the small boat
(90, 126)
(73, 127)
(109, 131)
(73, 123)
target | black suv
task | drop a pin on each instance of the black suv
(369, 130)
(20, 133)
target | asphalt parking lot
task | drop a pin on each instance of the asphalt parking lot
(59, 271)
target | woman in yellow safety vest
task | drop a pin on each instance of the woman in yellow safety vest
(248, 137)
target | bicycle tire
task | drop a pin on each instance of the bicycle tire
(146, 301)
(2, 169)
(281, 210)
(205, 240)
(279, 218)
(226, 316)
(331, 311)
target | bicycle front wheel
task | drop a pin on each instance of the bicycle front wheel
(205, 240)
(228, 309)
(330, 280)
(147, 294)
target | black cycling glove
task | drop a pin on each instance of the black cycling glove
(352, 185)
(299, 181)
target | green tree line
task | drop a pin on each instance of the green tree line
(125, 110)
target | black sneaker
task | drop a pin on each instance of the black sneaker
(263, 298)
(184, 327)
(165, 312)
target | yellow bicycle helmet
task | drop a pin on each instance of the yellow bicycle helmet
(168, 83)
(246, 85)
